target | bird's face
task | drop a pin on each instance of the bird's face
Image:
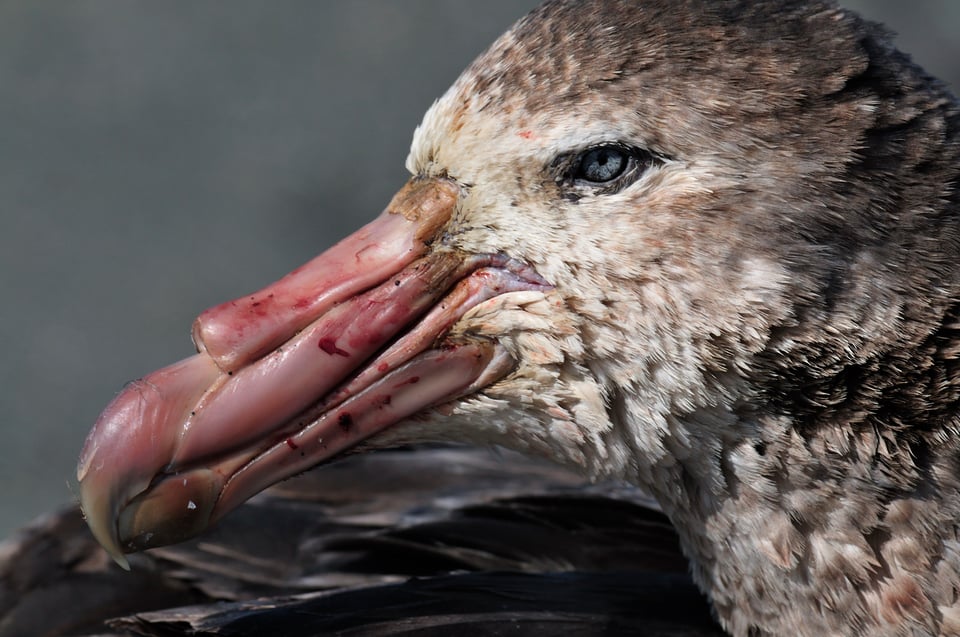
(571, 272)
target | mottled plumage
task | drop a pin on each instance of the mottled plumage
(765, 324)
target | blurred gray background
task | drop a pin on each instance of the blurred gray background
(157, 158)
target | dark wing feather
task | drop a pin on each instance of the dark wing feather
(412, 542)
(546, 605)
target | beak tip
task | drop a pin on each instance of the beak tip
(121, 560)
(100, 528)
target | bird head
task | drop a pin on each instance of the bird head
(640, 238)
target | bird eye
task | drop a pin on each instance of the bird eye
(603, 169)
(602, 165)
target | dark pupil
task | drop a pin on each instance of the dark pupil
(603, 164)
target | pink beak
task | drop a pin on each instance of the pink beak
(336, 351)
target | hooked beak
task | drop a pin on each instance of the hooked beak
(347, 345)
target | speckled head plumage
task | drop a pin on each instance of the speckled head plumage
(755, 317)
(770, 313)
